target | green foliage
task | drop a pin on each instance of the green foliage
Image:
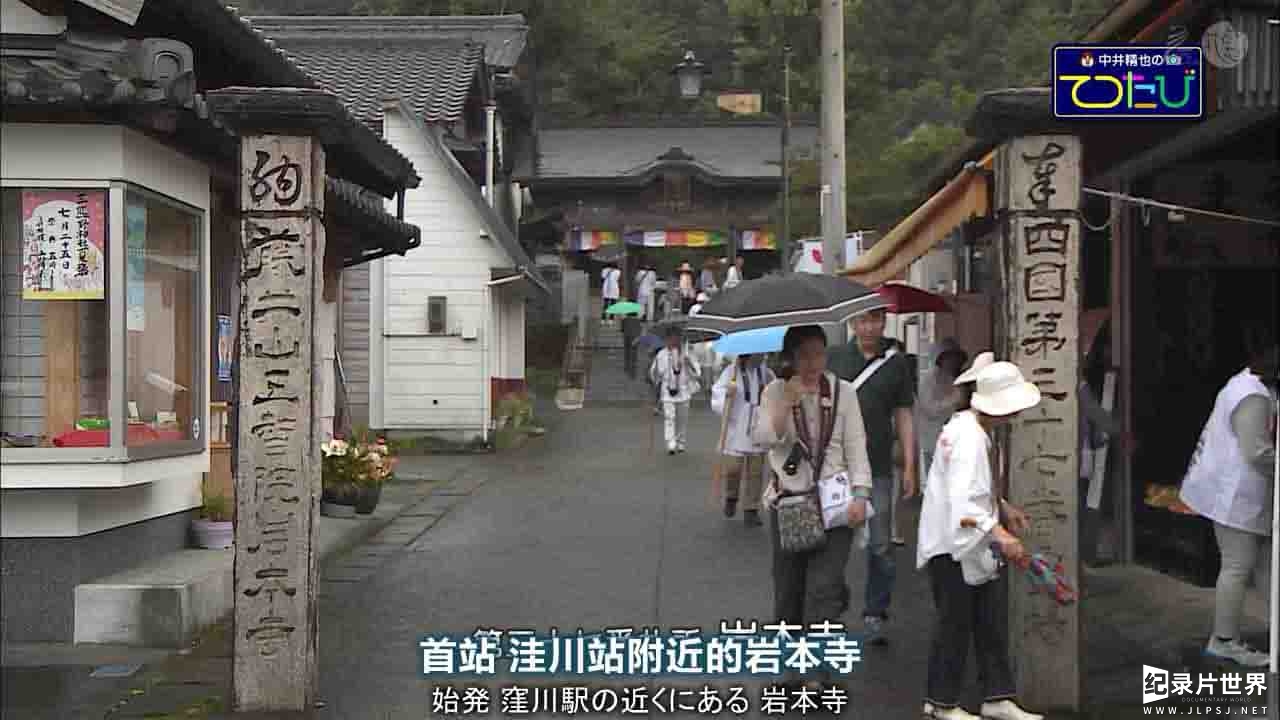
(517, 410)
(914, 69)
(214, 506)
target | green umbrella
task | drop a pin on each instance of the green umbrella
(625, 308)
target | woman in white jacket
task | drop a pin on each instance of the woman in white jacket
(960, 560)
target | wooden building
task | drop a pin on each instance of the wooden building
(664, 190)
(117, 378)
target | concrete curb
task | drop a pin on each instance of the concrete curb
(377, 522)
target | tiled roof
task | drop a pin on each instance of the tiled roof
(360, 209)
(504, 37)
(744, 151)
(433, 79)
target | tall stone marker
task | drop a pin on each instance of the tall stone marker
(278, 476)
(1038, 194)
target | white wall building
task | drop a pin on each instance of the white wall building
(432, 340)
(449, 316)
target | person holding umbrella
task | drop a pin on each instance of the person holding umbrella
(812, 425)
(676, 374)
(610, 287)
(1230, 482)
(631, 327)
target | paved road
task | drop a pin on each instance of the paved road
(585, 528)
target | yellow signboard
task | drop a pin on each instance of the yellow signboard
(740, 103)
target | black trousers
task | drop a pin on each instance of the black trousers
(629, 357)
(965, 612)
(809, 587)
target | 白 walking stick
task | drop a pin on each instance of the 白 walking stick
(717, 470)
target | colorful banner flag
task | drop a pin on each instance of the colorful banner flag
(64, 244)
(757, 240)
(588, 240)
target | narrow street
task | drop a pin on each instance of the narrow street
(587, 527)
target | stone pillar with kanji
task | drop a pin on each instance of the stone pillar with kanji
(278, 474)
(1038, 197)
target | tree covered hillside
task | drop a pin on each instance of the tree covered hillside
(914, 68)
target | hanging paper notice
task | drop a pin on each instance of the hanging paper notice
(135, 232)
(64, 244)
(226, 337)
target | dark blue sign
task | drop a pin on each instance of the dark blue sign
(1127, 81)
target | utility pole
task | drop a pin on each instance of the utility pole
(833, 200)
(784, 242)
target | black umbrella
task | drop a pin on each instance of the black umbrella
(792, 299)
(680, 323)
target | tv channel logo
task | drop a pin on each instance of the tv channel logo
(1128, 81)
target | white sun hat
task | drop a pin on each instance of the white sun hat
(979, 364)
(1002, 390)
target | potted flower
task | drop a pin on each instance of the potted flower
(213, 527)
(377, 466)
(337, 479)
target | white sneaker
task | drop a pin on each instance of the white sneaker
(955, 713)
(1236, 652)
(1007, 710)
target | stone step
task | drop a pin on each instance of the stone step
(166, 602)
(163, 603)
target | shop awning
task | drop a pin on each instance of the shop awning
(517, 281)
(967, 196)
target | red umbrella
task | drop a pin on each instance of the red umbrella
(904, 298)
(1091, 322)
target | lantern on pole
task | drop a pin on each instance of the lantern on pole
(689, 74)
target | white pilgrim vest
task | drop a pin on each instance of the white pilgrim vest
(1221, 484)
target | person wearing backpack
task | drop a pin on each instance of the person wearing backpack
(885, 384)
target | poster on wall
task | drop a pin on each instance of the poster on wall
(226, 339)
(64, 249)
(135, 232)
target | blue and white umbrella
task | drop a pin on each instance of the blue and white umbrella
(751, 342)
